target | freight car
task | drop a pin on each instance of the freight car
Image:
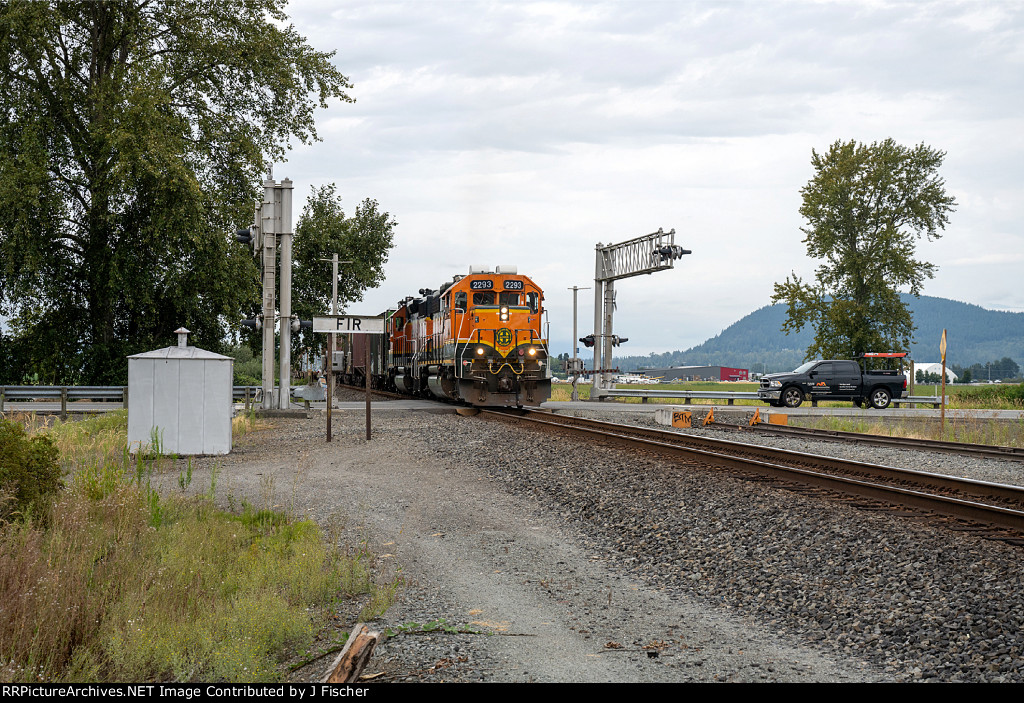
(477, 339)
(350, 359)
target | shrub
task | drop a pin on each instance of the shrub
(29, 470)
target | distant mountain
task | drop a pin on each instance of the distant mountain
(973, 335)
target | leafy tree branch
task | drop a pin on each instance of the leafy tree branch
(865, 207)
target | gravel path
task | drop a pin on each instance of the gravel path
(592, 564)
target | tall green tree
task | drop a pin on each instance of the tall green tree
(133, 136)
(865, 208)
(362, 240)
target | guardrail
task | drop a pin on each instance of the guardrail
(687, 396)
(19, 397)
(69, 392)
(933, 400)
(253, 394)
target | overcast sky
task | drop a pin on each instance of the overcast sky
(525, 133)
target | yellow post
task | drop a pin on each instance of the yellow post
(709, 418)
(942, 422)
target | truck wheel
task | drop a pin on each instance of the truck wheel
(792, 397)
(880, 398)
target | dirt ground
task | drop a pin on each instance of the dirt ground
(535, 600)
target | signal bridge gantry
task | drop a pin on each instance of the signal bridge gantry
(641, 255)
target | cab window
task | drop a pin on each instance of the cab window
(510, 299)
(533, 300)
(460, 300)
(483, 298)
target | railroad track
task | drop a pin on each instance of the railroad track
(978, 450)
(994, 510)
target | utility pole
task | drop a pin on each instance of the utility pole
(272, 220)
(269, 240)
(283, 206)
(575, 364)
(276, 221)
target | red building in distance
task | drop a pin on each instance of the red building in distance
(698, 373)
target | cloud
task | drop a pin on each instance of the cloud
(496, 131)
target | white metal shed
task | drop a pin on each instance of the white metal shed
(183, 395)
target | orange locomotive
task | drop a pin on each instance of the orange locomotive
(477, 339)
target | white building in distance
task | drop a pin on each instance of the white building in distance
(935, 368)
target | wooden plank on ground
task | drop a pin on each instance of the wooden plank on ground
(350, 663)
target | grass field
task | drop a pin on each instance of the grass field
(117, 582)
(970, 430)
(994, 397)
(966, 429)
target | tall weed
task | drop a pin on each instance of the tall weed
(965, 428)
(120, 583)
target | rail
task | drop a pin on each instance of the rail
(687, 396)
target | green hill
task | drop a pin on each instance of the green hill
(973, 335)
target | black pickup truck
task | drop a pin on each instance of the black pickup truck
(836, 380)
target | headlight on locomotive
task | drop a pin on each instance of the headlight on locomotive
(480, 351)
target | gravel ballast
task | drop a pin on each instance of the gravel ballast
(583, 563)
